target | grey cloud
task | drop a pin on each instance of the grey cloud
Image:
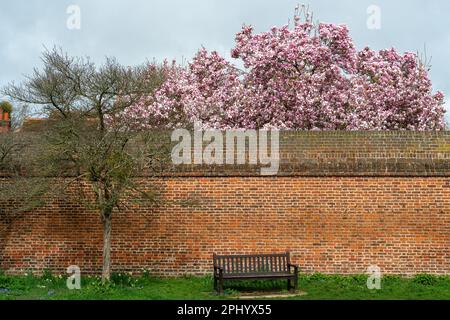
(136, 30)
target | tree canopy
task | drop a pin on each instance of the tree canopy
(308, 77)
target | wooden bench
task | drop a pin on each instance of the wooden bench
(254, 267)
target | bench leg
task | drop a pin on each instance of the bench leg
(220, 286)
(215, 284)
(296, 282)
(289, 286)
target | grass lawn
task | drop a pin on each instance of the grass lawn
(316, 286)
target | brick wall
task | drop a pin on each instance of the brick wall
(342, 202)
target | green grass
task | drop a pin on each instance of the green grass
(124, 287)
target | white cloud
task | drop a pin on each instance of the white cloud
(447, 115)
(134, 31)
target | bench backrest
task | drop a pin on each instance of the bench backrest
(255, 263)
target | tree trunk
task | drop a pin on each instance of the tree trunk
(106, 219)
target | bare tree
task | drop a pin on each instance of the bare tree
(81, 143)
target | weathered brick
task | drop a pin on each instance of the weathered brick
(343, 202)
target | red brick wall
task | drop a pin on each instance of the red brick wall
(332, 225)
(393, 217)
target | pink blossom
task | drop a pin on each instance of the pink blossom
(304, 78)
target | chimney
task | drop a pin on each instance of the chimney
(5, 117)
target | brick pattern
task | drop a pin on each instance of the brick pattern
(338, 153)
(331, 223)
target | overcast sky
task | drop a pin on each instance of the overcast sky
(137, 30)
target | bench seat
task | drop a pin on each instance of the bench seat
(276, 275)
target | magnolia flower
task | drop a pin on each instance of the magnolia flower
(305, 78)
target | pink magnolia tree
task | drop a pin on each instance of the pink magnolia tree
(308, 77)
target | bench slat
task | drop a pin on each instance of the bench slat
(254, 255)
(260, 263)
(257, 275)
